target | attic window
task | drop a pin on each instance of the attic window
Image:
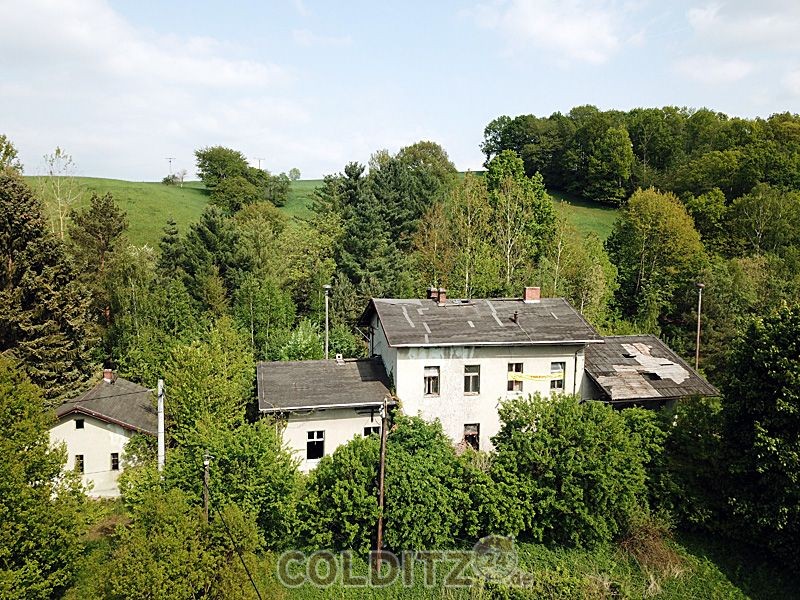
(653, 376)
(79, 423)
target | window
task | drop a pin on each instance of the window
(431, 381)
(115, 461)
(368, 431)
(472, 379)
(514, 385)
(472, 434)
(315, 447)
(78, 423)
(557, 370)
(79, 463)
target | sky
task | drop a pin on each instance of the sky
(121, 85)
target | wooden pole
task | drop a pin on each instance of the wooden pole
(161, 446)
(381, 478)
(700, 287)
(206, 463)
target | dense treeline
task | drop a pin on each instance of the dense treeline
(244, 283)
(606, 155)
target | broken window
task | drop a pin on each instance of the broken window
(315, 447)
(368, 431)
(557, 370)
(115, 461)
(514, 385)
(472, 379)
(653, 376)
(79, 423)
(472, 434)
(79, 463)
(431, 381)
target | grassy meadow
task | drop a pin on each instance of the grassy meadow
(149, 205)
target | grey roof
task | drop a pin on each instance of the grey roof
(628, 368)
(121, 402)
(316, 384)
(479, 322)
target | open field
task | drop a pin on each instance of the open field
(150, 204)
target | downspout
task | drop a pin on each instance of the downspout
(575, 372)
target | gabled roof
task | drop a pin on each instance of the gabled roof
(630, 368)
(316, 384)
(121, 402)
(479, 322)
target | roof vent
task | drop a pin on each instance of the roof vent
(339, 359)
(532, 295)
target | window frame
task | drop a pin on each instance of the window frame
(554, 387)
(476, 435)
(80, 423)
(115, 461)
(80, 464)
(472, 381)
(372, 430)
(426, 377)
(315, 439)
(515, 386)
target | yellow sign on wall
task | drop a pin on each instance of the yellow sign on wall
(513, 376)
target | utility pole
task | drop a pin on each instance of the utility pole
(327, 288)
(259, 162)
(700, 287)
(381, 478)
(206, 463)
(170, 159)
(161, 445)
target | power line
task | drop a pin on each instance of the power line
(239, 554)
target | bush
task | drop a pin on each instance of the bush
(568, 472)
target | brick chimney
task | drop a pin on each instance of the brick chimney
(532, 295)
(442, 298)
(108, 375)
(433, 293)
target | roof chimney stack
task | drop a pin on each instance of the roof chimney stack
(433, 293)
(108, 375)
(442, 296)
(532, 295)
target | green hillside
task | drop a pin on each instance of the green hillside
(150, 204)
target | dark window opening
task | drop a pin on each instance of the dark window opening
(315, 447)
(368, 431)
(514, 385)
(79, 463)
(431, 381)
(472, 435)
(472, 379)
(115, 461)
(78, 423)
(653, 376)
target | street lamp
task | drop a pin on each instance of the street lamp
(700, 287)
(327, 288)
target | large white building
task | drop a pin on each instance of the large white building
(456, 360)
(96, 426)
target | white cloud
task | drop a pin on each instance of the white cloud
(792, 82)
(587, 31)
(307, 38)
(765, 25)
(712, 70)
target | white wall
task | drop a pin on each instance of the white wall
(96, 441)
(340, 426)
(453, 407)
(380, 346)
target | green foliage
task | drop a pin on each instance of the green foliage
(217, 163)
(250, 467)
(265, 311)
(339, 508)
(765, 220)
(658, 254)
(41, 510)
(45, 314)
(209, 379)
(762, 430)
(9, 155)
(568, 472)
(233, 193)
(304, 343)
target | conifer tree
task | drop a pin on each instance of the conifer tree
(45, 314)
(171, 250)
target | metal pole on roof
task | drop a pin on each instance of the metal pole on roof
(327, 288)
(161, 445)
(700, 287)
(206, 463)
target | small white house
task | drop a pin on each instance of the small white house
(96, 426)
(323, 404)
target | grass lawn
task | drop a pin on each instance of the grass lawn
(587, 216)
(148, 205)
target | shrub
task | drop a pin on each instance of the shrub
(567, 472)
